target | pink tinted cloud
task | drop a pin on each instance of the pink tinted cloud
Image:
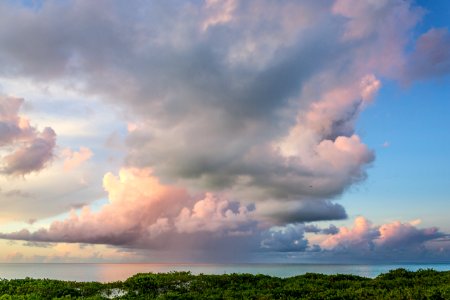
(388, 24)
(385, 27)
(33, 156)
(212, 214)
(218, 12)
(332, 115)
(142, 212)
(398, 234)
(28, 149)
(431, 57)
(323, 140)
(136, 201)
(365, 237)
(360, 16)
(13, 127)
(360, 236)
(345, 154)
(73, 159)
(395, 241)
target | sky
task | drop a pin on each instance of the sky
(224, 131)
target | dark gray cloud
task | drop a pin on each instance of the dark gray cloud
(303, 211)
(330, 230)
(289, 238)
(311, 228)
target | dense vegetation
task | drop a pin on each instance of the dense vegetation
(397, 284)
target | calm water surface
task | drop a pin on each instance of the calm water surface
(114, 272)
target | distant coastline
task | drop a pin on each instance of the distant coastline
(109, 272)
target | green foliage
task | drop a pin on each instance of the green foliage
(396, 284)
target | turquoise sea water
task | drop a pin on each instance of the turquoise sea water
(114, 272)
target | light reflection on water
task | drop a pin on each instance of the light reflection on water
(114, 272)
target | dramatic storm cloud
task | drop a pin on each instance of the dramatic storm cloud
(237, 119)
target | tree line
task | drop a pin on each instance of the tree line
(396, 284)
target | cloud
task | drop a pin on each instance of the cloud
(289, 238)
(69, 253)
(78, 119)
(13, 127)
(394, 241)
(32, 157)
(397, 235)
(73, 158)
(22, 200)
(364, 242)
(315, 229)
(146, 215)
(28, 150)
(142, 212)
(367, 18)
(431, 56)
(300, 211)
(360, 237)
(212, 214)
(219, 12)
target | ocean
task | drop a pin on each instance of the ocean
(114, 272)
